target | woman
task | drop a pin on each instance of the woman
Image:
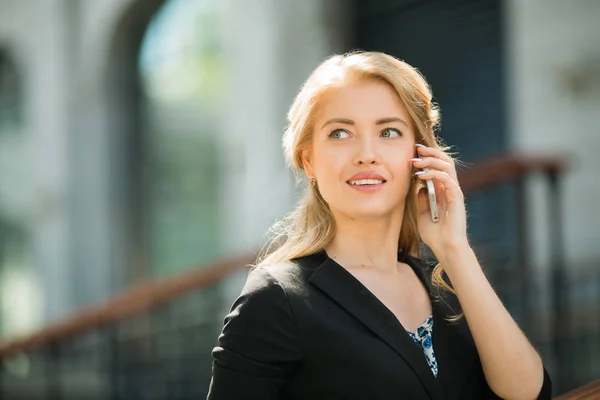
(339, 306)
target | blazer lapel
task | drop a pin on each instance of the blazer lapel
(453, 345)
(339, 284)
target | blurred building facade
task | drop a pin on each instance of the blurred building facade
(142, 137)
(108, 129)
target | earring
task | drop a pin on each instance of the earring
(313, 181)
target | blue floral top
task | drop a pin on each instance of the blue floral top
(423, 337)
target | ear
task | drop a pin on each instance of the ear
(306, 157)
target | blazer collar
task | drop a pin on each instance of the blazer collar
(352, 295)
(453, 343)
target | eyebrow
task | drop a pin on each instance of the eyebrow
(347, 121)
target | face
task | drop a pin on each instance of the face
(360, 152)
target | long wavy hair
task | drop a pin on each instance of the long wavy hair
(310, 227)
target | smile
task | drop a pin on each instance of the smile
(366, 185)
(363, 182)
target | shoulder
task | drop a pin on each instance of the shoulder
(262, 304)
(267, 289)
(259, 336)
(290, 276)
(261, 290)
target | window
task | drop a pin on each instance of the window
(182, 74)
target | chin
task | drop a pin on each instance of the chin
(378, 206)
(370, 211)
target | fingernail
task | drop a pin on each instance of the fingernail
(416, 159)
(420, 145)
(420, 172)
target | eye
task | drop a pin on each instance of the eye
(390, 132)
(338, 134)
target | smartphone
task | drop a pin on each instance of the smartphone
(432, 199)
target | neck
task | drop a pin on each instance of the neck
(366, 243)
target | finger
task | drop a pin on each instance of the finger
(424, 152)
(433, 152)
(451, 188)
(433, 163)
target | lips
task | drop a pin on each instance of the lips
(366, 178)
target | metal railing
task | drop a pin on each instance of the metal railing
(591, 391)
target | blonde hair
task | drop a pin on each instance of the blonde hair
(310, 227)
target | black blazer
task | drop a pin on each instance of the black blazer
(308, 329)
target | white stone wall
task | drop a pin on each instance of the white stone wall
(554, 103)
(34, 32)
(62, 48)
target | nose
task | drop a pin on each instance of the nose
(366, 152)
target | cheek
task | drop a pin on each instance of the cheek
(330, 164)
(399, 162)
(403, 176)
